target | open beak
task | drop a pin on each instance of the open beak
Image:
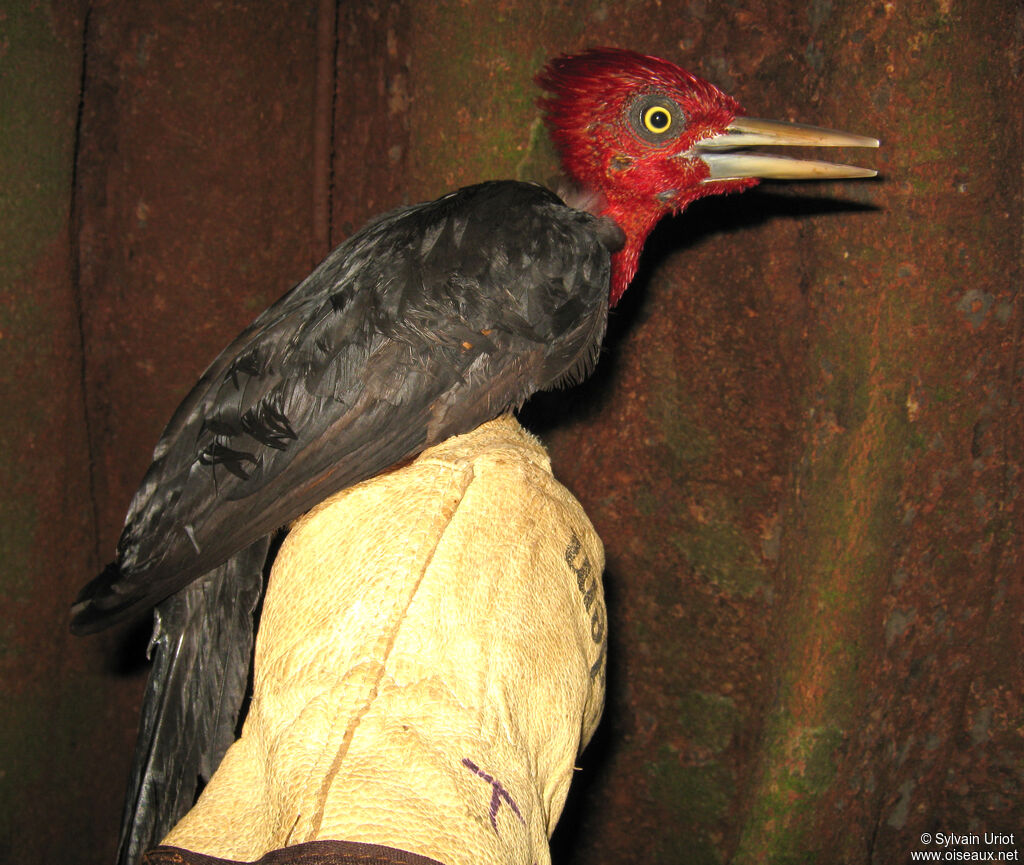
(726, 156)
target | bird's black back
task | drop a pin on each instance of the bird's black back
(426, 323)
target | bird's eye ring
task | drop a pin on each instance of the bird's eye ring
(656, 118)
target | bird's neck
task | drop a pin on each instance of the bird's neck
(633, 215)
(636, 224)
(636, 216)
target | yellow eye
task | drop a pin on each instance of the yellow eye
(657, 119)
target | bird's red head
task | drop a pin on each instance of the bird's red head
(651, 138)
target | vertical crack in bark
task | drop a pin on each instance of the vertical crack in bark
(325, 97)
(75, 266)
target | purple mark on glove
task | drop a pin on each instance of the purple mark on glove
(499, 793)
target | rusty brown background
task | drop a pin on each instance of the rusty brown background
(803, 449)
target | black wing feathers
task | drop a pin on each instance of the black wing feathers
(428, 322)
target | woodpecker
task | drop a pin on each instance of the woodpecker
(426, 323)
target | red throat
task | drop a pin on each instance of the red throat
(637, 227)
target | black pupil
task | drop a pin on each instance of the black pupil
(659, 119)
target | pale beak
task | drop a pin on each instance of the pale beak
(725, 156)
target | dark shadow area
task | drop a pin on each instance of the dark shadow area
(257, 615)
(596, 761)
(129, 658)
(729, 214)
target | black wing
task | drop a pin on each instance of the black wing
(428, 322)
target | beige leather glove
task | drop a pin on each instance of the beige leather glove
(429, 663)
